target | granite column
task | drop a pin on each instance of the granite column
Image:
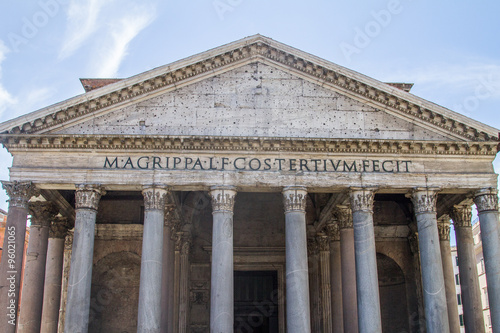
(80, 273)
(297, 280)
(436, 310)
(222, 286)
(149, 312)
(486, 201)
(348, 264)
(369, 318)
(168, 268)
(333, 233)
(448, 274)
(30, 318)
(13, 251)
(325, 288)
(469, 280)
(53, 275)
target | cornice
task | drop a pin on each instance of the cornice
(250, 49)
(264, 144)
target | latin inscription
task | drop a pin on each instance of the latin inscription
(255, 164)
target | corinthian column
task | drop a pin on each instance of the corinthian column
(53, 275)
(80, 273)
(487, 206)
(348, 262)
(42, 213)
(369, 319)
(12, 253)
(149, 313)
(333, 233)
(436, 311)
(449, 276)
(469, 280)
(326, 294)
(222, 293)
(297, 280)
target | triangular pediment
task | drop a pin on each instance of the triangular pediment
(253, 87)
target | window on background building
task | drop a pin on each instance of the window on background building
(485, 295)
(489, 320)
(461, 317)
(456, 260)
(457, 279)
(482, 265)
(459, 299)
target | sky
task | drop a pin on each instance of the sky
(450, 50)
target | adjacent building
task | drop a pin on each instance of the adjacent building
(250, 188)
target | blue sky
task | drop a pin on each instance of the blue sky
(449, 49)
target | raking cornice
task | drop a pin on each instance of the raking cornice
(247, 50)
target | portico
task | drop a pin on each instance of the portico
(328, 195)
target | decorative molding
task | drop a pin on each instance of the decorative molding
(295, 199)
(123, 232)
(344, 216)
(269, 51)
(87, 196)
(486, 200)
(226, 143)
(461, 216)
(362, 199)
(19, 193)
(312, 246)
(443, 225)
(222, 199)
(154, 197)
(59, 227)
(42, 213)
(333, 231)
(424, 200)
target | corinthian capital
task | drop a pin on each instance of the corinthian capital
(154, 197)
(222, 198)
(19, 192)
(59, 227)
(461, 216)
(42, 213)
(344, 216)
(333, 231)
(294, 199)
(362, 199)
(424, 200)
(486, 200)
(87, 196)
(443, 225)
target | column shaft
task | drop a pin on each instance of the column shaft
(369, 319)
(449, 275)
(184, 285)
(80, 273)
(348, 267)
(34, 271)
(222, 293)
(149, 312)
(335, 278)
(487, 205)
(53, 276)
(324, 264)
(167, 279)
(13, 252)
(314, 284)
(469, 280)
(297, 280)
(436, 311)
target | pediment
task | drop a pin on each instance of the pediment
(253, 87)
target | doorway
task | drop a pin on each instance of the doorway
(255, 302)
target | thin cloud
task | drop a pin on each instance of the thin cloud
(122, 31)
(82, 22)
(6, 99)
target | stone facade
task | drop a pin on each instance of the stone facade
(253, 187)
